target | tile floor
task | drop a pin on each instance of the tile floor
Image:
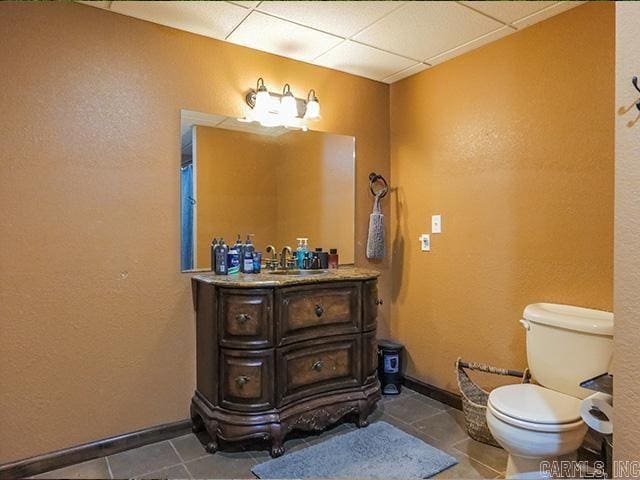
(185, 458)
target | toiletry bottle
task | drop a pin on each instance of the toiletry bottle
(300, 253)
(323, 258)
(247, 255)
(239, 246)
(214, 248)
(257, 262)
(305, 249)
(333, 258)
(233, 260)
(221, 258)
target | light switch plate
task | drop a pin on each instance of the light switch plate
(425, 242)
(436, 224)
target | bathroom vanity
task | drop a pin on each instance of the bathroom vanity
(278, 352)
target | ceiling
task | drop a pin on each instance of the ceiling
(380, 40)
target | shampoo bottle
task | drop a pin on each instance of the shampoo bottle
(233, 258)
(221, 258)
(214, 249)
(247, 255)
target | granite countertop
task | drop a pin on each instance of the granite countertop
(266, 279)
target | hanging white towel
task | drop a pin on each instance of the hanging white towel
(375, 240)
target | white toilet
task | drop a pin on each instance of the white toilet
(565, 346)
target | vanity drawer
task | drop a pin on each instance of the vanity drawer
(247, 379)
(317, 366)
(245, 318)
(310, 311)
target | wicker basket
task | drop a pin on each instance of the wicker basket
(474, 398)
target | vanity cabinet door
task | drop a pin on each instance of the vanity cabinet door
(245, 318)
(246, 379)
(369, 305)
(312, 311)
(317, 366)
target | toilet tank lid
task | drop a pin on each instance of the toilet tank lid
(578, 319)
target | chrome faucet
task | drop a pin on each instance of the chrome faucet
(271, 263)
(284, 262)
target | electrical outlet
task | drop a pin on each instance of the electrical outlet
(436, 224)
(425, 242)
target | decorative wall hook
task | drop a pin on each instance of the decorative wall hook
(373, 179)
(634, 82)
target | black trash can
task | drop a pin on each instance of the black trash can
(390, 366)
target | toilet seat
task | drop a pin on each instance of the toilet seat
(536, 408)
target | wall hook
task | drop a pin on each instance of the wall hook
(634, 82)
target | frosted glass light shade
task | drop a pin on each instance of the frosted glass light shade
(263, 102)
(288, 107)
(313, 110)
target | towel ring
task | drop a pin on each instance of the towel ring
(373, 178)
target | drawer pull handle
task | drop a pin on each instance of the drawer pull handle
(243, 318)
(319, 311)
(242, 380)
(317, 365)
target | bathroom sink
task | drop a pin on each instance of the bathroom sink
(297, 273)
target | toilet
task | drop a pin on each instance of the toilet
(541, 422)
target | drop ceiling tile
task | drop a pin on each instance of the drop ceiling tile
(472, 45)
(548, 12)
(361, 60)
(508, 12)
(407, 72)
(245, 4)
(212, 19)
(422, 30)
(337, 17)
(273, 35)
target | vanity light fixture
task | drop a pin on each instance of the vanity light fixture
(281, 110)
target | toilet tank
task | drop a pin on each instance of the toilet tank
(567, 345)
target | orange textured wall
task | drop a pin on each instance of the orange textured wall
(96, 319)
(235, 188)
(513, 144)
(627, 246)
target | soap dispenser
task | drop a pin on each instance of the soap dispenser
(300, 253)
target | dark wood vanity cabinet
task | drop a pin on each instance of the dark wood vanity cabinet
(290, 356)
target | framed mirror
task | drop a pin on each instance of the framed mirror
(277, 184)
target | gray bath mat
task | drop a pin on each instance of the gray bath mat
(378, 451)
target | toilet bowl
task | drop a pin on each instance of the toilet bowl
(534, 424)
(541, 423)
